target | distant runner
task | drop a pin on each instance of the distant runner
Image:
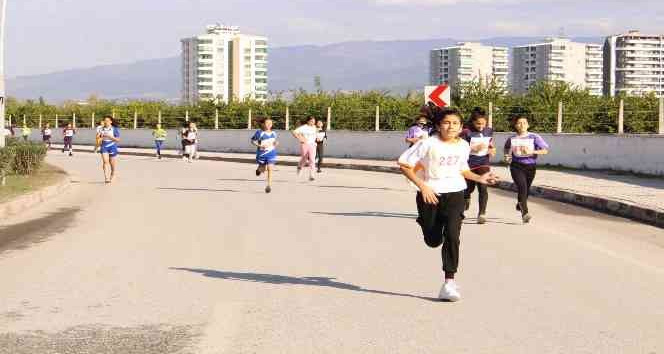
(306, 134)
(47, 132)
(266, 144)
(321, 140)
(68, 134)
(109, 135)
(480, 138)
(521, 152)
(159, 135)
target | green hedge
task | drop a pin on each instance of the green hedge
(582, 112)
(21, 158)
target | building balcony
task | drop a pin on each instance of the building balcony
(659, 40)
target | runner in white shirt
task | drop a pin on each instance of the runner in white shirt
(321, 139)
(47, 132)
(307, 134)
(68, 134)
(190, 137)
(443, 160)
(97, 132)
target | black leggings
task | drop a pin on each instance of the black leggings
(320, 148)
(482, 189)
(523, 176)
(68, 141)
(441, 224)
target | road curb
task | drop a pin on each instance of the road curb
(27, 201)
(608, 206)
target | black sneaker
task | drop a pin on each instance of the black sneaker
(319, 170)
(518, 206)
(258, 172)
(268, 189)
(70, 154)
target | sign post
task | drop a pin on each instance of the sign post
(439, 95)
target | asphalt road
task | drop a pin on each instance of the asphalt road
(196, 258)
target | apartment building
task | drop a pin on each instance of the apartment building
(634, 64)
(224, 64)
(468, 62)
(557, 59)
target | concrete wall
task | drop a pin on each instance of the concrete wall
(635, 153)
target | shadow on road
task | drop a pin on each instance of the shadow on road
(365, 188)
(375, 214)
(198, 190)
(473, 221)
(21, 236)
(288, 280)
(262, 180)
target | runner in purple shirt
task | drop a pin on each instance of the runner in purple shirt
(418, 131)
(521, 151)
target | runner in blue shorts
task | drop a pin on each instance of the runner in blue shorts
(266, 143)
(109, 134)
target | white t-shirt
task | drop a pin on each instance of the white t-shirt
(308, 132)
(443, 163)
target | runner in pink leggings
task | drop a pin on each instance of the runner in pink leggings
(306, 134)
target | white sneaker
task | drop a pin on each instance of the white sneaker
(449, 292)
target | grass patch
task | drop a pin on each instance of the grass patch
(17, 185)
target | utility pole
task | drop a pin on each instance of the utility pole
(3, 11)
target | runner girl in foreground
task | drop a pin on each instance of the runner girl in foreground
(440, 201)
(480, 138)
(109, 135)
(46, 135)
(306, 134)
(521, 151)
(266, 143)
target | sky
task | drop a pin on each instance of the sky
(45, 36)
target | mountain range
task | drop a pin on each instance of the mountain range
(396, 66)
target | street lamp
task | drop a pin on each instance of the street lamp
(3, 9)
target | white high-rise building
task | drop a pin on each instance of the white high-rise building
(594, 69)
(634, 64)
(557, 59)
(224, 65)
(468, 62)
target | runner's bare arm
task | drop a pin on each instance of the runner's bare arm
(487, 178)
(427, 193)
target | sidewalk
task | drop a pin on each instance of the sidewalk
(625, 195)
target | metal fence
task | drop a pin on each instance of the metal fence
(618, 118)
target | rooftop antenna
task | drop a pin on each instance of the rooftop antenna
(561, 32)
